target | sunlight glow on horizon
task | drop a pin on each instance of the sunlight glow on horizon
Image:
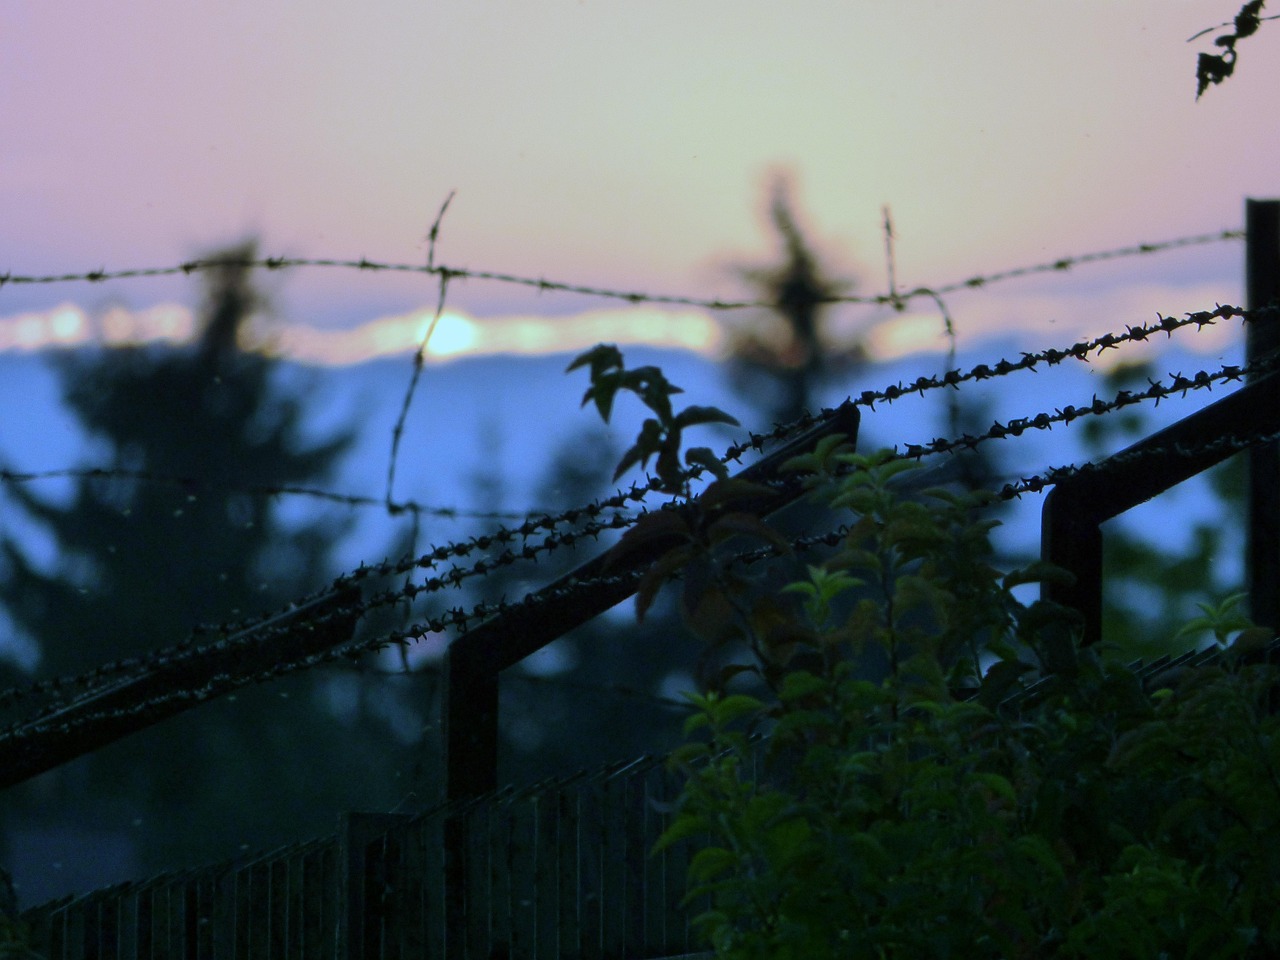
(455, 336)
(1030, 321)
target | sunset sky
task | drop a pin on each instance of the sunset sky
(622, 145)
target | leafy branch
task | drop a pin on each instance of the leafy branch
(1213, 68)
(661, 434)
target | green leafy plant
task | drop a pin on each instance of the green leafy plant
(661, 434)
(934, 768)
(683, 536)
(915, 816)
(15, 939)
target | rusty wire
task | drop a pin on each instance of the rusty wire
(891, 298)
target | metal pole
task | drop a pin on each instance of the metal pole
(1262, 283)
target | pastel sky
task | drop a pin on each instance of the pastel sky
(624, 145)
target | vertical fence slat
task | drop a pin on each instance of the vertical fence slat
(480, 891)
(569, 875)
(560, 870)
(142, 921)
(520, 858)
(546, 872)
(431, 918)
(636, 859)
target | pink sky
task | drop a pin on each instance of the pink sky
(628, 145)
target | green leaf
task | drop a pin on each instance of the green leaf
(820, 459)
(602, 357)
(733, 707)
(685, 825)
(999, 680)
(668, 465)
(801, 586)
(602, 391)
(694, 415)
(654, 390)
(647, 444)
(801, 684)
(710, 862)
(998, 785)
(705, 457)
(662, 570)
(733, 490)
(1038, 572)
(747, 525)
(788, 841)
(1038, 850)
(709, 613)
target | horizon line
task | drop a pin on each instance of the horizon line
(455, 335)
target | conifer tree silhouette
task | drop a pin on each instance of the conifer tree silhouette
(139, 564)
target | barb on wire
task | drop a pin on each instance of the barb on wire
(541, 284)
(1037, 483)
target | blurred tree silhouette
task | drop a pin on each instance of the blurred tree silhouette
(138, 564)
(788, 354)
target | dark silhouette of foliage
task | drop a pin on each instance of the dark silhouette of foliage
(139, 565)
(946, 806)
(928, 814)
(1213, 68)
(791, 355)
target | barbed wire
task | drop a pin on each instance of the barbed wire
(533, 524)
(518, 543)
(394, 507)
(623, 500)
(459, 619)
(446, 273)
(1227, 445)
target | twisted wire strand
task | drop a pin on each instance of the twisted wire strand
(446, 273)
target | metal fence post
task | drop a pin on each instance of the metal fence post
(1262, 281)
